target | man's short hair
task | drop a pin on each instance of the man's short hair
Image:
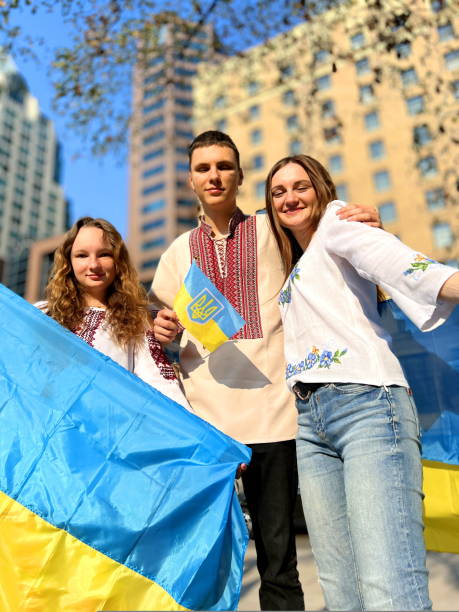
(210, 138)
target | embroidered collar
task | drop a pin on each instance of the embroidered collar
(237, 218)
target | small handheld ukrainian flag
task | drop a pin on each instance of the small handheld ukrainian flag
(204, 311)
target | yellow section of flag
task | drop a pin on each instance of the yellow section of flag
(204, 311)
(441, 506)
(43, 568)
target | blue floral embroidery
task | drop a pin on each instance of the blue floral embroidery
(285, 296)
(420, 264)
(315, 358)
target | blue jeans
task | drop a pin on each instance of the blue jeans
(361, 484)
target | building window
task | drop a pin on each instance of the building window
(381, 180)
(295, 147)
(372, 121)
(288, 97)
(153, 244)
(387, 212)
(357, 41)
(452, 59)
(258, 161)
(342, 192)
(409, 77)
(253, 88)
(152, 154)
(220, 102)
(153, 138)
(335, 163)
(151, 263)
(260, 190)
(437, 5)
(154, 206)
(362, 66)
(152, 107)
(186, 202)
(377, 149)
(332, 135)
(182, 166)
(445, 32)
(153, 171)
(182, 117)
(403, 49)
(150, 225)
(323, 82)
(428, 166)
(366, 94)
(184, 72)
(184, 86)
(321, 56)
(292, 123)
(442, 235)
(184, 102)
(435, 198)
(254, 112)
(286, 71)
(221, 125)
(186, 134)
(153, 188)
(256, 136)
(421, 134)
(415, 105)
(328, 109)
(455, 89)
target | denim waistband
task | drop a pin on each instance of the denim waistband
(303, 390)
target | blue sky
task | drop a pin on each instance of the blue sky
(95, 186)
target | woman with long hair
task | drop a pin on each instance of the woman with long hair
(358, 442)
(94, 291)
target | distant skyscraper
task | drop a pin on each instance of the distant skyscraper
(161, 205)
(32, 202)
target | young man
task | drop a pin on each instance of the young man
(240, 388)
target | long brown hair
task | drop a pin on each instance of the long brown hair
(127, 313)
(324, 187)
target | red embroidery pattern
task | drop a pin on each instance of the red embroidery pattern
(91, 322)
(160, 358)
(240, 285)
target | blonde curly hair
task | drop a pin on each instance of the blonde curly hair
(127, 304)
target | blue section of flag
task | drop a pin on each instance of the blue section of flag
(431, 364)
(225, 316)
(95, 451)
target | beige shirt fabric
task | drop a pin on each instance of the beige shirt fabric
(239, 388)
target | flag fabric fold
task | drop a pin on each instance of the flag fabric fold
(112, 496)
(204, 311)
(431, 365)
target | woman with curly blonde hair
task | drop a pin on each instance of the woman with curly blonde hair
(94, 291)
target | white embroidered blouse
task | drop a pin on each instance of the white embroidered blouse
(148, 361)
(328, 304)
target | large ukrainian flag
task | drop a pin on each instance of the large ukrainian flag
(204, 311)
(431, 364)
(112, 496)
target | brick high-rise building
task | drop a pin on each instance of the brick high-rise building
(381, 117)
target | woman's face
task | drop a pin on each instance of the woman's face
(293, 197)
(92, 261)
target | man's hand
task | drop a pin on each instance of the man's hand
(166, 326)
(364, 214)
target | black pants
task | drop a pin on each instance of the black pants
(270, 487)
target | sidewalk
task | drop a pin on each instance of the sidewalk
(443, 582)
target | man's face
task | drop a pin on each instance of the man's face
(214, 177)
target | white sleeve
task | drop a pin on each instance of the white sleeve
(409, 277)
